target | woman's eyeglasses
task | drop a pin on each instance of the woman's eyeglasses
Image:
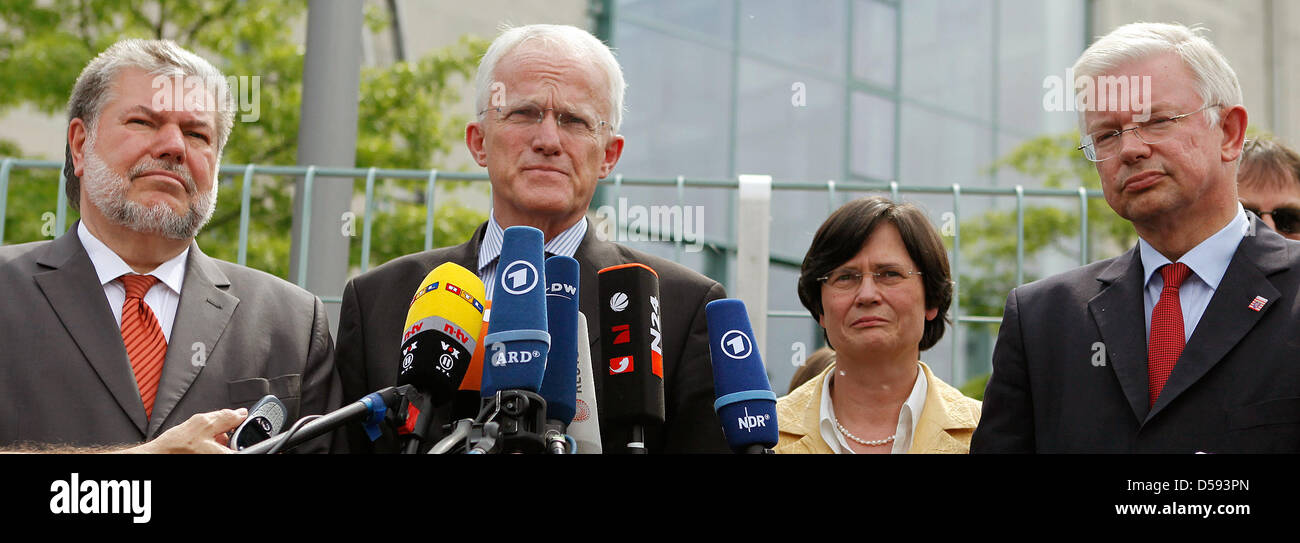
(850, 280)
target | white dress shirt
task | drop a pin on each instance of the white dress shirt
(163, 298)
(908, 415)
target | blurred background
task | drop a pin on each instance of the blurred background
(834, 99)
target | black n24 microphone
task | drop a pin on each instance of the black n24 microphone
(631, 345)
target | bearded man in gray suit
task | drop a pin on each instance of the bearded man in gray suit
(122, 329)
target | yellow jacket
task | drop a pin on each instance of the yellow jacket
(945, 426)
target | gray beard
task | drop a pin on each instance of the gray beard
(107, 191)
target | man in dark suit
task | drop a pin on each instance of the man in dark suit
(1186, 343)
(122, 328)
(550, 101)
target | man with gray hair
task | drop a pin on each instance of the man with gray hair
(121, 328)
(550, 101)
(1182, 344)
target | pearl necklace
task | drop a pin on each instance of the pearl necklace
(872, 443)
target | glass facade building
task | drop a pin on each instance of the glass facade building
(922, 92)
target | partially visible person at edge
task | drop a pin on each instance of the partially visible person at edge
(122, 331)
(1268, 184)
(811, 367)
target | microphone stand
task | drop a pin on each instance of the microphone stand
(637, 444)
(511, 422)
(371, 408)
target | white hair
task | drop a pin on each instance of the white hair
(570, 41)
(1216, 82)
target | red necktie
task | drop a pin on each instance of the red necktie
(1167, 337)
(143, 337)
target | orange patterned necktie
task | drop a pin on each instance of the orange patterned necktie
(143, 337)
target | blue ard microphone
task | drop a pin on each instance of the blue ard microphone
(745, 402)
(560, 382)
(517, 341)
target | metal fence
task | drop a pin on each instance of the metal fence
(614, 183)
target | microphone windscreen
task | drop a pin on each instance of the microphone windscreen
(585, 428)
(631, 344)
(517, 341)
(467, 398)
(438, 339)
(745, 402)
(560, 382)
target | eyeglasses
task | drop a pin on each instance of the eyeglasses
(574, 124)
(1103, 145)
(846, 280)
(1287, 219)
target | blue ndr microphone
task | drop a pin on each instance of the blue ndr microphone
(745, 403)
(560, 383)
(517, 341)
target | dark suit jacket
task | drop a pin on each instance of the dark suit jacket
(239, 334)
(375, 305)
(1236, 387)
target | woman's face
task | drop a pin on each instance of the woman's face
(873, 319)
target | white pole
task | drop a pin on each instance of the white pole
(753, 234)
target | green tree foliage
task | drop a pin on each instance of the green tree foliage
(989, 240)
(402, 116)
(988, 249)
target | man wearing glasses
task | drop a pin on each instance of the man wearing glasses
(550, 104)
(1185, 343)
(1269, 184)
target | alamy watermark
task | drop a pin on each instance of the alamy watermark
(178, 92)
(93, 497)
(1099, 93)
(674, 223)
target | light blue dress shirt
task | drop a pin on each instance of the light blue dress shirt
(1208, 261)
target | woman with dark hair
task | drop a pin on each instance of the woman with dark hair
(876, 278)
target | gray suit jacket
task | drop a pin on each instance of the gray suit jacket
(375, 305)
(239, 334)
(1070, 366)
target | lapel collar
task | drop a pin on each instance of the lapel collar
(593, 255)
(1118, 312)
(942, 412)
(204, 311)
(1228, 317)
(466, 254)
(77, 297)
(799, 414)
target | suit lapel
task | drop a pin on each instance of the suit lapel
(77, 297)
(204, 311)
(466, 254)
(593, 255)
(1118, 311)
(1228, 317)
(941, 415)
